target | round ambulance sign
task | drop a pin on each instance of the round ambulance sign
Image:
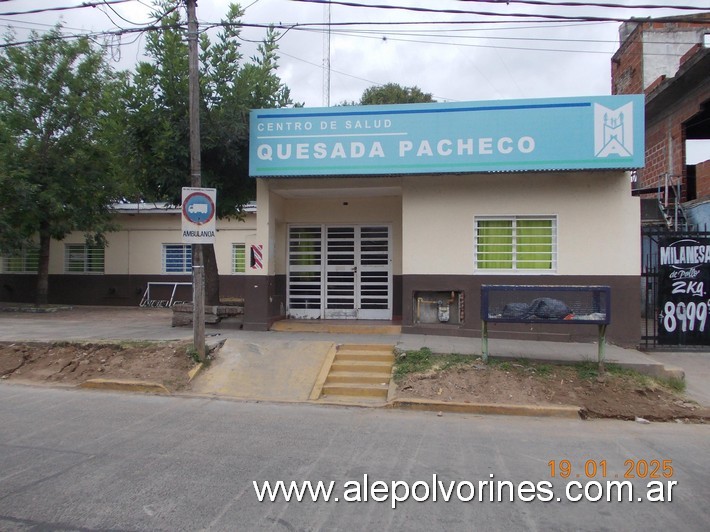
(198, 208)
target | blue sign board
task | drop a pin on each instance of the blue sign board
(198, 208)
(602, 132)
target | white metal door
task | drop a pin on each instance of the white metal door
(341, 266)
(305, 272)
(374, 273)
(340, 272)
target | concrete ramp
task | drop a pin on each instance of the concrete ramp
(272, 370)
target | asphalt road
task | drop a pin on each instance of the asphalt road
(74, 460)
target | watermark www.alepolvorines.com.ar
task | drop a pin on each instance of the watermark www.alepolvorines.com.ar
(434, 490)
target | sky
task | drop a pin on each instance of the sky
(463, 57)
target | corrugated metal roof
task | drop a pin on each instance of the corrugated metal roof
(163, 208)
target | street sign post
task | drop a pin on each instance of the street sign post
(199, 226)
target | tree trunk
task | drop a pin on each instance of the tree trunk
(41, 297)
(211, 275)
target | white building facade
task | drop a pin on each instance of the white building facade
(399, 213)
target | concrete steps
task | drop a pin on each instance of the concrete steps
(359, 371)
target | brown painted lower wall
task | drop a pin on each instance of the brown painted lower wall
(265, 300)
(126, 290)
(625, 327)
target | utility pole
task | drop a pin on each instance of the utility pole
(198, 268)
(326, 56)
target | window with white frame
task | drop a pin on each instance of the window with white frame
(239, 258)
(177, 258)
(24, 261)
(80, 258)
(516, 243)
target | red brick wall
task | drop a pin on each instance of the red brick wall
(702, 179)
(627, 63)
(665, 135)
(627, 66)
(665, 142)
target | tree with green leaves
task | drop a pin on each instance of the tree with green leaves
(157, 119)
(57, 169)
(391, 93)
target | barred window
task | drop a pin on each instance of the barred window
(238, 258)
(519, 243)
(80, 258)
(177, 258)
(24, 261)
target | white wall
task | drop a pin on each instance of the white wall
(662, 51)
(432, 222)
(597, 219)
(327, 201)
(137, 247)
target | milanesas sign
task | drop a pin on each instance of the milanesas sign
(684, 279)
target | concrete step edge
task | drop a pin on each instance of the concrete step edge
(359, 378)
(375, 357)
(369, 390)
(360, 365)
(366, 347)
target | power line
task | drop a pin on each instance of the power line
(586, 18)
(107, 4)
(379, 34)
(586, 4)
(90, 35)
(286, 27)
(321, 27)
(64, 8)
(502, 47)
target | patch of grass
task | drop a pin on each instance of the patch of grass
(673, 383)
(192, 353)
(544, 370)
(590, 370)
(424, 360)
(412, 362)
(449, 361)
(63, 343)
(503, 365)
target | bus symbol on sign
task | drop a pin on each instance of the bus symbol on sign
(198, 208)
(195, 208)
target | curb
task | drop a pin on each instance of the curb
(125, 386)
(323, 373)
(194, 372)
(570, 412)
(659, 371)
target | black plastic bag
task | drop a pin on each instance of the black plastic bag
(549, 309)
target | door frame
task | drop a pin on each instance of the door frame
(322, 312)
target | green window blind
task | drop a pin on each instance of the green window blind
(238, 258)
(518, 243)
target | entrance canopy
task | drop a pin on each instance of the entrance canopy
(604, 132)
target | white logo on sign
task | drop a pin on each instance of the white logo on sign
(613, 131)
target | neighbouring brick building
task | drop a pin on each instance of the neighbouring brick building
(668, 60)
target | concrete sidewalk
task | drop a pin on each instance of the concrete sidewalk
(290, 361)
